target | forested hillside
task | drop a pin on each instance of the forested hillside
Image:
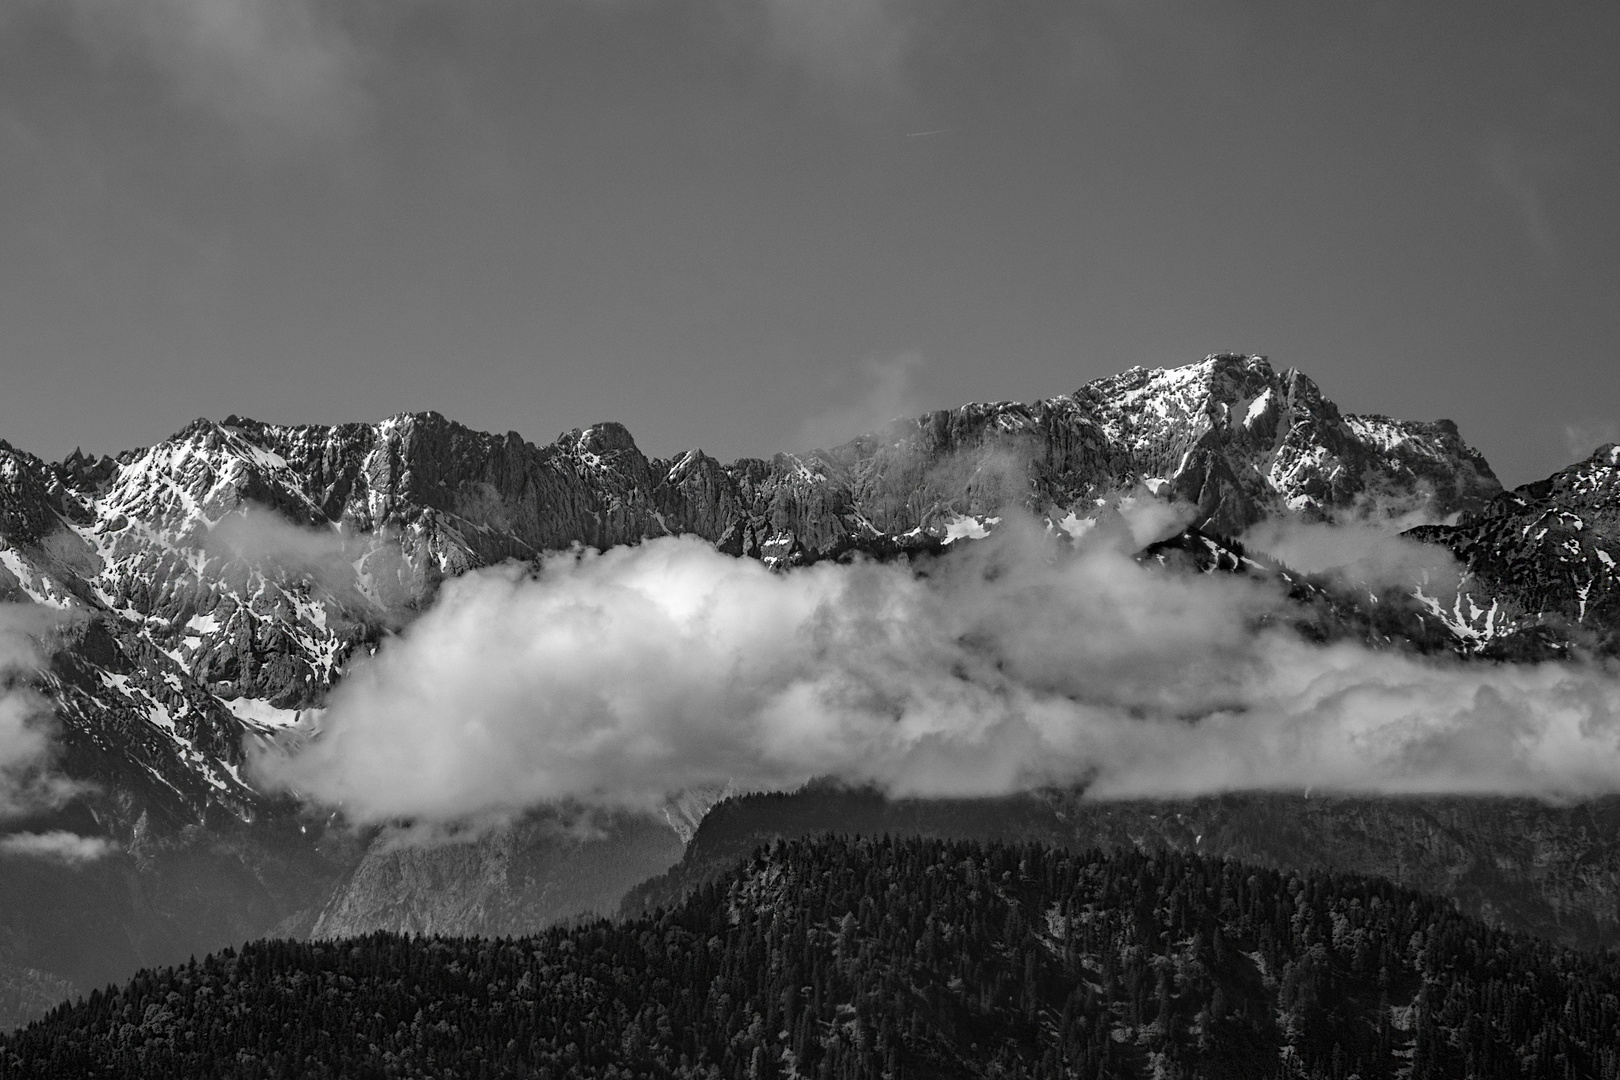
(873, 958)
(1517, 864)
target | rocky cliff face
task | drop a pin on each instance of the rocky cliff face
(1231, 437)
(1541, 560)
(1241, 442)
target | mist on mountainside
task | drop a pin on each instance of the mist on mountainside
(618, 679)
(29, 781)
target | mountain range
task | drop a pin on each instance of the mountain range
(202, 596)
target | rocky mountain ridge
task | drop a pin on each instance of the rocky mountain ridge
(1541, 559)
(221, 579)
(211, 588)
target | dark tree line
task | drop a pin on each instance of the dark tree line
(847, 958)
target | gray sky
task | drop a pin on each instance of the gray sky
(755, 224)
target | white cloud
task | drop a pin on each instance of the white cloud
(1519, 172)
(620, 679)
(58, 845)
(1372, 552)
(367, 573)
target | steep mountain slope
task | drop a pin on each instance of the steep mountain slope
(534, 873)
(160, 893)
(1229, 436)
(1240, 441)
(27, 993)
(893, 959)
(1325, 608)
(1541, 558)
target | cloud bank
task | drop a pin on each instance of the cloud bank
(623, 678)
(27, 782)
(1371, 553)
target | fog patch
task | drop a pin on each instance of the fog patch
(1372, 554)
(360, 570)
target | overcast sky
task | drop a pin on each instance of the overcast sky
(729, 223)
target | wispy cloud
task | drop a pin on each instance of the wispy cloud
(27, 780)
(887, 391)
(1517, 172)
(58, 846)
(270, 68)
(1583, 437)
(1370, 552)
(367, 574)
